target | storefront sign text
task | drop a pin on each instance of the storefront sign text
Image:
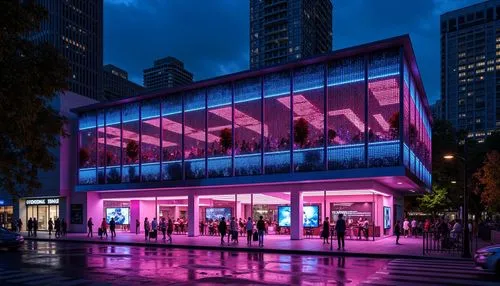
(42, 202)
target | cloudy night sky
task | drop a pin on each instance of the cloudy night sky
(212, 37)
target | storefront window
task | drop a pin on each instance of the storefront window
(220, 133)
(87, 137)
(172, 137)
(346, 114)
(194, 134)
(101, 148)
(308, 119)
(130, 145)
(6, 216)
(277, 119)
(42, 213)
(150, 141)
(113, 150)
(248, 127)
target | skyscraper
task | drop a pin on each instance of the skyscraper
(165, 73)
(437, 110)
(470, 68)
(75, 28)
(116, 84)
(287, 30)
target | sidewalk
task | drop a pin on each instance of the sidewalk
(380, 248)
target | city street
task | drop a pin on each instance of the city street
(44, 263)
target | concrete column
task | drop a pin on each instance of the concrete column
(238, 212)
(135, 213)
(297, 213)
(95, 209)
(193, 215)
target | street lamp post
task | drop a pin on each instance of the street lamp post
(466, 243)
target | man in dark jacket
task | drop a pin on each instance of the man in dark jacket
(340, 229)
(222, 229)
(261, 228)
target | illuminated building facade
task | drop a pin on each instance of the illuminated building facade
(352, 126)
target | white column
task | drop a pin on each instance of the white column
(135, 213)
(193, 215)
(297, 213)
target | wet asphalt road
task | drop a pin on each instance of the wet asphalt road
(42, 263)
(62, 263)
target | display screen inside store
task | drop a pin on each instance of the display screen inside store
(352, 211)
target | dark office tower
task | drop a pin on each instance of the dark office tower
(437, 110)
(166, 72)
(74, 27)
(116, 84)
(470, 68)
(287, 30)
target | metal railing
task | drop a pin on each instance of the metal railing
(434, 242)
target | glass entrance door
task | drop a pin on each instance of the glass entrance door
(43, 213)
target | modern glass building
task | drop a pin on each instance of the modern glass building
(348, 128)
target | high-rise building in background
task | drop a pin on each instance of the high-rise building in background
(166, 73)
(116, 84)
(470, 68)
(437, 110)
(75, 28)
(287, 30)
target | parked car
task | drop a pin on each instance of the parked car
(488, 258)
(9, 239)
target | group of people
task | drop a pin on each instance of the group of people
(102, 230)
(59, 226)
(255, 232)
(442, 228)
(151, 229)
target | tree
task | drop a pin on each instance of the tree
(301, 132)
(132, 150)
(435, 201)
(226, 139)
(31, 76)
(394, 125)
(488, 177)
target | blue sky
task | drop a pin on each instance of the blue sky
(212, 36)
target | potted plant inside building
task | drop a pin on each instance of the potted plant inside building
(226, 140)
(84, 157)
(331, 136)
(132, 151)
(394, 125)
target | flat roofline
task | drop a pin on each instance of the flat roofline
(395, 42)
(469, 8)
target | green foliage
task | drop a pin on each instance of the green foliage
(31, 76)
(435, 201)
(301, 131)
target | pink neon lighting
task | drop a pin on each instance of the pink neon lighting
(129, 135)
(381, 121)
(385, 91)
(305, 109)
(351, 116)
(241, 119)
(176, 127)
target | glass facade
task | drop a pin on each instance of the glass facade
(362, 111)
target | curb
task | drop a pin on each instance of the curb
(247, 249)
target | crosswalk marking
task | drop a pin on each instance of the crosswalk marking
(29, 278)
(430, 272)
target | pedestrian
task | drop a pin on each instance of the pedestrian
(365, 228)
(112, 226)
(249, 228)
(326, 231)
(146, 228)
(30, 227)
(90, 224)
(154, 229)
(202, 227)
(14, 224)
(104, 228)
(233, 228)
(427, 225)
(20, 224)
(163, 227)
(414, 227)
(406, 227)
(51, 227)
(340, 229)
(64, 227)
(222, 229)
(170, 230)
(261, 229)
(35, 226)
(57, 227)
(397, 231)
(137, 226)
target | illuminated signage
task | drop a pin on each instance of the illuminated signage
(42, 201)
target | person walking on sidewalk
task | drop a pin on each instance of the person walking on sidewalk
(51, 227)
(233, 227)
(64, 227)
(170, 230)
(406, 227)
(112, 226)
(326, 231)
(222, 229)
(397, 231)
(261, 228)
(163, 227)
(35, 226)
(154, 228)
(249, 228)
(20, 224)
(414, 228)
(104, 228)
(340, 229)
(137, 226)
(57, 227)
(146, 229)
(90, 224)
(30, 227)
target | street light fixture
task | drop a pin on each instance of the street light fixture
(466, 243)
